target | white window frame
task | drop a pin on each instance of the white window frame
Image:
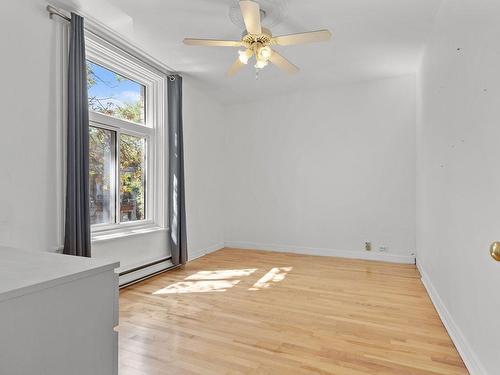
(113, 58)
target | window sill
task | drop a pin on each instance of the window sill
(125, 232)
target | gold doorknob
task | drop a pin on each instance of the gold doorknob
(495, 250)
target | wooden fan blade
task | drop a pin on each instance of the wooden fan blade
(308, 37)
(250, 10)
(212, 42)
(283, 63)
(237, 65)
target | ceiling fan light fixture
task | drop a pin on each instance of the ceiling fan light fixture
(244, 56)
(260, 64)
(265, 53)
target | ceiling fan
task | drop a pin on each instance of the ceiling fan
(257, 42)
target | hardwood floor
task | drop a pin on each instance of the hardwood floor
(255, 312)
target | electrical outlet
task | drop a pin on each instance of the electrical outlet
(383, 249)
(368, 246)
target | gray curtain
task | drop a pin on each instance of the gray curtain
(176, 194)
(77, 222)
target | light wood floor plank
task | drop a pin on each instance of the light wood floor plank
(256, 312)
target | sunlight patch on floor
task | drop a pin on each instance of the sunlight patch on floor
(274, 276)
(221, 274)
(222, 280)
(202, 286)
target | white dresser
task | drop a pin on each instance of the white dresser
(58, 314)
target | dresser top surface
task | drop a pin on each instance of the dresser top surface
(23, 272)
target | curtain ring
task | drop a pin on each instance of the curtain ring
(171, 78)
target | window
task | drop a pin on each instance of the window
(126, 140)
(101, 175)
(132, 178)
(112, 94)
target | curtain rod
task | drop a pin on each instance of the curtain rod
(53, 11)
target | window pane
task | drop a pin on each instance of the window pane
(101, 176)
(114, 95)
(132, 178)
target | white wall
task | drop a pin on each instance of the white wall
(458, 176)
(324, 170)
(204, 170)
(28, 196)
(30, 199)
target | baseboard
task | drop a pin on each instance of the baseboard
(464, 349)
(366, 255)
(201, 252)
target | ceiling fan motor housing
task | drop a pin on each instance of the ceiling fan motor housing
(265, 38)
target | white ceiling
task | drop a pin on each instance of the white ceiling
(371, 39)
